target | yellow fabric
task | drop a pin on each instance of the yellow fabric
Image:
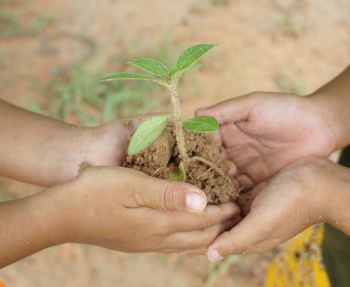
(299, 262)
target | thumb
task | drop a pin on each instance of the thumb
(232, 110)
(250, 235)
(169, 195)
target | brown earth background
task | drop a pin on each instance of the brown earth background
(275, 45)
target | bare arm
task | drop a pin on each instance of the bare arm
(44, 151)
(28, 225)
(333, 101)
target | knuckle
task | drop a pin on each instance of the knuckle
(132, 196)
(217, 216)
(169, 198)
(162, 228)
(205, 221)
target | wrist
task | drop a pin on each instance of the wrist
(67, 150)
(336, 186)
(107, 144)
(52, 215)
(334, 114)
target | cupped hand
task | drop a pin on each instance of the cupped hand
(263, 132)
(293, 200)
(126, 210)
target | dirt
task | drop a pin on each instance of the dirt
(162, 159)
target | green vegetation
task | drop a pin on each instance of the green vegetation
(150, 129)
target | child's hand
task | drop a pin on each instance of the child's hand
(128, 211)
(44, 151)
(116, 208)
(264, 132)
(293, 200)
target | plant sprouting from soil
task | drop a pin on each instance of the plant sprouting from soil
(153, 127)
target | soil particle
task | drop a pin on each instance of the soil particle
(162, 158)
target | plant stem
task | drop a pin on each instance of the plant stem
(179, 133)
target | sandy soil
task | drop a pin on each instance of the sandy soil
(263, 45)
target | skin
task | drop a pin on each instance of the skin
(263, 133)
(104, 205)
(63, 147)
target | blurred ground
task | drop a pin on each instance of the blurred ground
(51, 53)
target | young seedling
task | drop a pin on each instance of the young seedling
(152, 128)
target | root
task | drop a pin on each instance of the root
(157, 170)
(209, 169)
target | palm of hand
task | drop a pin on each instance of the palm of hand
(276, 132)
(290, 197)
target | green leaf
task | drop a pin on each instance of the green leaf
(147, 133)
(129, 76)
(189, 57)
(151, 66)
(201, 124)
(179, 174)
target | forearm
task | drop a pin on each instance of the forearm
(333, 193)
(29, 225)
(37, 149)
(333, 101)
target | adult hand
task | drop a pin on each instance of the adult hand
(264, 132)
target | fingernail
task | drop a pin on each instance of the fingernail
(195, 201)
(214, 255)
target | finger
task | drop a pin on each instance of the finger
(172, 222)
(146, 191)
(231, 168)
(216, 138)
(246, 200)
(232, 135)
(196, 252)
(252, 230)
(199, 239)
(249, 161)
(258, 170)
(245, 182)
(232, 110)
(242, 155)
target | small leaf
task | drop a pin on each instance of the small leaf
(179, 174)
(147, 133)
(129, 76)
(151, 66)
(190, 56)
(201, 124)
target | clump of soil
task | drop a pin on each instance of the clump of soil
(162, 158)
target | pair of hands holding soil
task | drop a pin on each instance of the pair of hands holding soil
(277, 146)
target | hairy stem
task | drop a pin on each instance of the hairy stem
(179, 133)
